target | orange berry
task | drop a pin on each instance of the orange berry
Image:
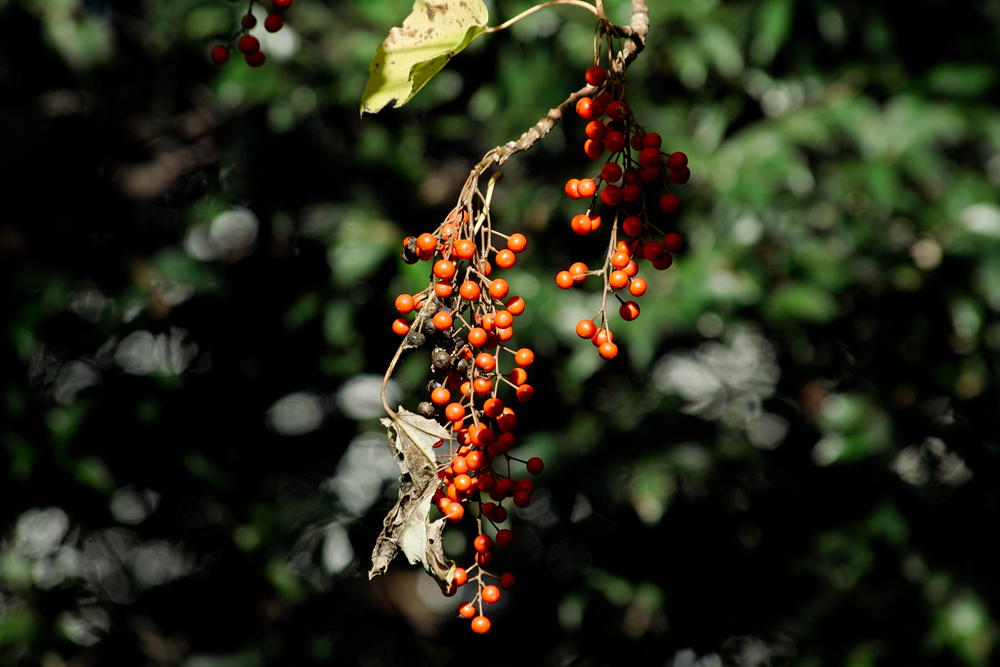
(454, 511)
(518, 376)
(564, 279)
(491, 593)
(607, 350)
(637, 287)
(593, 149)
(480, 625)
(443, 289)
(486, 361)
(503, 319)
(505, 259)
(404, 304)
(467, 610)
(596, 130)
(571, 188)
(442, 321)
(464, 249)
(493, 407)
(477, 337)
(581, 224)
(481, 386)
(601, 337)
(586, 329)
(587, 187)
(515, 305)
(578, 270)
(427, 242)
(505, 334)
(444, 269)
(525, 393)
(620, 259)
(524, 356)
(400, 327)
(469, 290)
(618, 279)
(631, 269)
(499, 288)
(440, 396)
(517, 242)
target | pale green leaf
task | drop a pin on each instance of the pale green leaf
(431, 35)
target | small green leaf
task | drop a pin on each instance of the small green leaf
(431, 35)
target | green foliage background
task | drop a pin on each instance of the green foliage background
(793, 461)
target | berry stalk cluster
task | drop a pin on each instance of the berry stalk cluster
(468, 318)
(635, 165)
(249, 45)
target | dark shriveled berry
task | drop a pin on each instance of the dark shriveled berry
(440, 359)
(415, 339)
(426, 409)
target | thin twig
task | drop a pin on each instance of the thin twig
(578, 3)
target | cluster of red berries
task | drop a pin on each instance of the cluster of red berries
(635, 161)
(247, 43)
(468, 316)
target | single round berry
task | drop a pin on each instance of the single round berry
(515, 305)
(564, 279)
(400, 327)
(460, 577)
(274, 23)
(581, 225)
(427, 242)
(442, 321)
(618, 279)
(614, 141)
(578, 270)
(663, 262)
(483, 543)
(617, 110)
(477, 337)
(467, 610)
(463, 482)
(505, 258)
(248, 21)
(653, 250)
(444, 269)
(480, 625)
(672, 242)
(454, 511)
(629, 311)
(504, 538)
(525, 393)
(499, 288)
(620, 259)
(522, 498)
(677, 161)
(631, 269)
(593, 149)
(585, 108)
(631, 193)
(649, 174)
(491, 594)
(632, 225)
(503, 319)
(255, 59)
(464, 249)
(649, 157)
(587, 187)
(611, 195)
(636, 142)
(524, 357)
(440, 396)
(535, 465)
(404, 304)
(681, 177)
(653, 140)
(506, 581)
(486, 361)
(607, 350)
(474, 460)
(454, 412)
(517, 242)
(595, 75)
(670, 203)
(249, 44)
(637, 287)
(596, 130)
(586, 329)
(611, 172)
(469, 291)
(443, 289)
(220, 55)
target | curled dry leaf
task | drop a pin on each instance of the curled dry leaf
(405, 527)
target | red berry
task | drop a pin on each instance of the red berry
(480, 625)
(273, 23)
(636, 142)
(521, 498)
(581, 224)
(461, 576)
(670, 203)
(282, 5)
(454, 511)
(595, 75)
(629, 311)
(677, 161)
(663, 262)
(248, 21)
(255, 59)
(467, 610)
(617, 110)
(525, 393)
(631, 193)
(506, 581)
(611, 172)
(535, 464)
(649, 174)
(672, 242)
(653, 140)
(632, 225)
(504, 538)
(653, 250)
(649, 157)
(249, 44)
(611, 195)
(220, 55)
(614, 141)
(483, 543)
(681, 177)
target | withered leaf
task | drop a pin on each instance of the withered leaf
(406, 528)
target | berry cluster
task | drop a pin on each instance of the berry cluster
(635, 163)
(468, 317)
(247, 43)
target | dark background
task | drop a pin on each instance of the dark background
(792, 461)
